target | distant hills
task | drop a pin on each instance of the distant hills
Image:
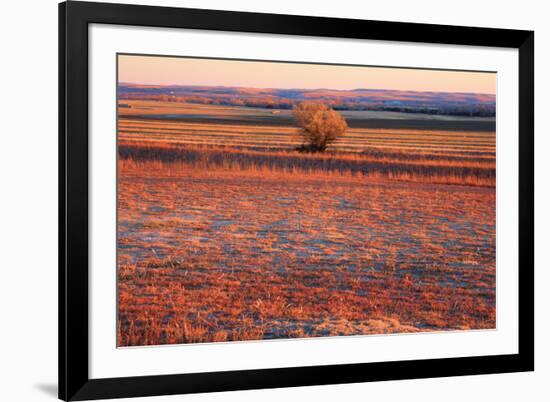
(445, 103)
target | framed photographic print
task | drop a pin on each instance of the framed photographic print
(257, 201)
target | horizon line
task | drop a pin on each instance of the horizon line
(304, 89)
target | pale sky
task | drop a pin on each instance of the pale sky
(149, 70)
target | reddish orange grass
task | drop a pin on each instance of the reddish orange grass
(239, 254)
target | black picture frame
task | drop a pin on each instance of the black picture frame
(74, 381)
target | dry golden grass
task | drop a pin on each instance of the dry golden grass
(256, 128)
(286, 137)
(225, 233)
(178, 160)
(207, 257)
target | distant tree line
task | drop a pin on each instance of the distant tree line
(271, 102)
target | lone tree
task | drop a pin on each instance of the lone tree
(319, 125)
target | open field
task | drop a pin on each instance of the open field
(213, 256)
(419, 168)
(225, 232)
(253, 127)
(426, 155)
